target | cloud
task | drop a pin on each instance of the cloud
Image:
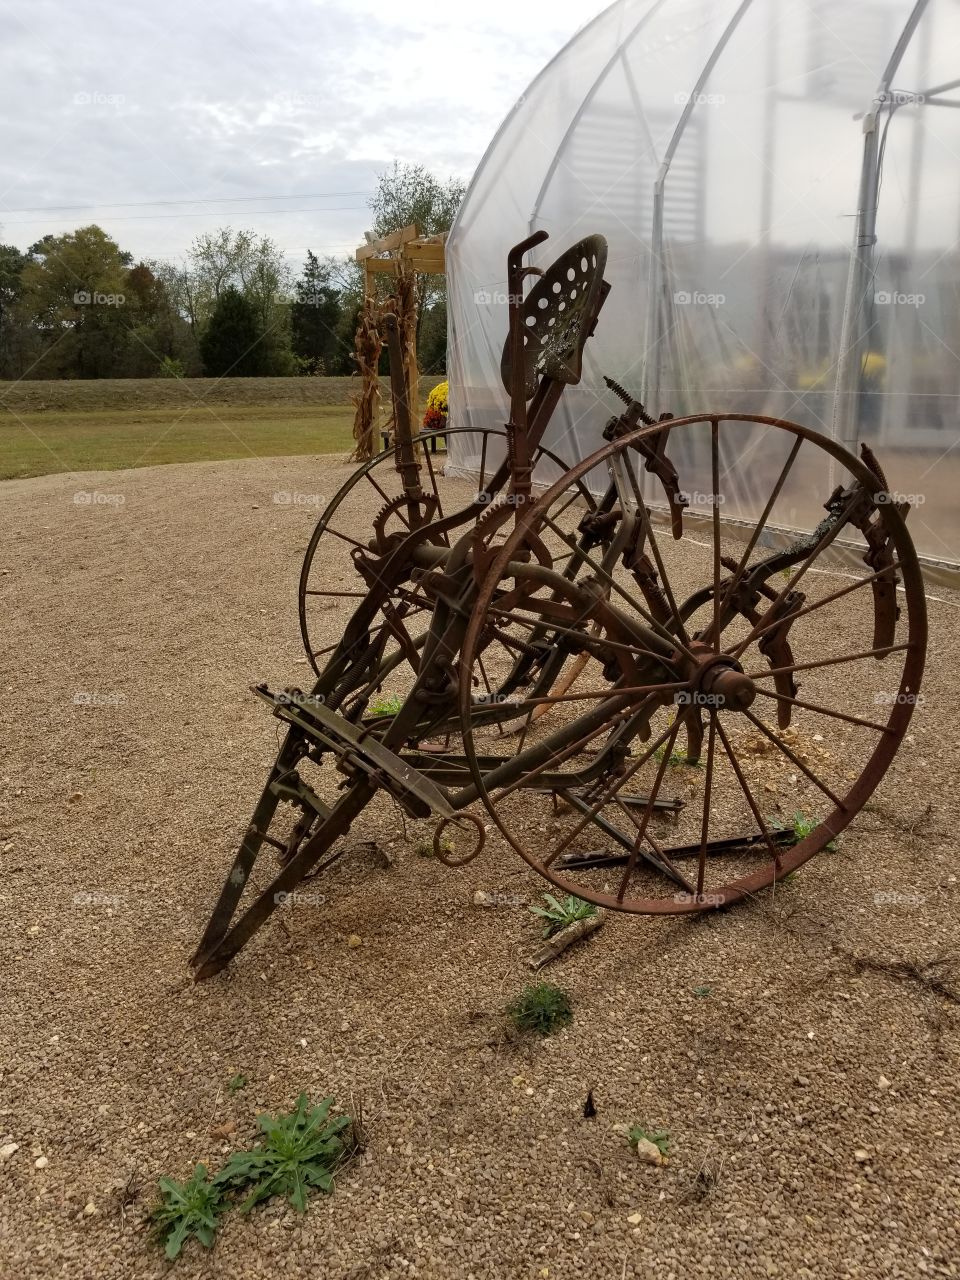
(115, 106)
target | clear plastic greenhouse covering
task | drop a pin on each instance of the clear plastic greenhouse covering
(732, 155)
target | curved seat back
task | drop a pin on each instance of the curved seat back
(557, 315)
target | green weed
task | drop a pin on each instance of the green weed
(300, 1150)
(186, 1209)
(542, 1009)
(558, 915)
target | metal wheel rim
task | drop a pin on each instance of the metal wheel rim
(873, 769)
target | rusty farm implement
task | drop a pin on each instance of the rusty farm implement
(688, 637)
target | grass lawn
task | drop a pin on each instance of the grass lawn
(108, 439)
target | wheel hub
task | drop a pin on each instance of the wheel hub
(718, 681)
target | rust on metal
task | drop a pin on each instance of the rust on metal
(485, 616)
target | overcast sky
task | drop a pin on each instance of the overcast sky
(162, 120)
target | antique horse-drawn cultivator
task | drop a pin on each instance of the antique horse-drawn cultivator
(576, 600)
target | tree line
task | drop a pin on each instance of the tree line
(79, 306)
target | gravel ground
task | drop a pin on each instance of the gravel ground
(810, 1087)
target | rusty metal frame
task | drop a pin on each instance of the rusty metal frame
(465, 579)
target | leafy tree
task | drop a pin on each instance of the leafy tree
(264, 277)
(266, 280)
(351, 306)
(231, 345)
(315, 316)
(12, 332)
(73, 291)
(158, 334)
(77, 305)
(147, 290)
(215, 262)
(346, 275)
(225, 259)
(432, 339)
(410, 193)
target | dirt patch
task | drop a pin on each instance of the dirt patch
(800, 1052)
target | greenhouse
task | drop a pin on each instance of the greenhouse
(778, 182)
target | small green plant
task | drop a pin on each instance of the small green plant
(425, 848)
(386, 706)
(558, 915)
(677, 759)
(186, 1209)
(659, 1137)
(702, 992)
(542, 1009)
(800, 826)
(237, 1082)
(300, 1150)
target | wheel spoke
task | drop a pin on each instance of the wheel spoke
(655, 548)
(536, 623)
(794, 759)
(345, 537)
(759, 527)
(825, 711)
(648, 808)
(612, 790)
(715, 480)
(483, 675)
(612, 691)
(656, 846)
(569, 503)
(528, 721)
(707, 789)
(489, 688)
(648, 617)
(760, 630)
(354, 595)
(825, 540)
(424, 603)
(319, 653)
(745, 788)
(384, 495)
(564, 754)
(828, 662)
(567, 555)
(436, 493)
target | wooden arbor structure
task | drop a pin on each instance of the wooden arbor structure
(402, 255)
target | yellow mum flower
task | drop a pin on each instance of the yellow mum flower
(435, 418)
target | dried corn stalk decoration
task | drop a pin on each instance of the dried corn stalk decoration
(402, 303)
(367, 345)
(405, 306)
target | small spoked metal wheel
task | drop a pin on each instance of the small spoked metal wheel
(372, 496)
(386, 580)
(743, 691)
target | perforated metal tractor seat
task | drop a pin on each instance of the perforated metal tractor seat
(557, 313)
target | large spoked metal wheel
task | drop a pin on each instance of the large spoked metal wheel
(791, 666)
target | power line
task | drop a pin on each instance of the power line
(293, 254)
(209, 213)
(143, 204)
